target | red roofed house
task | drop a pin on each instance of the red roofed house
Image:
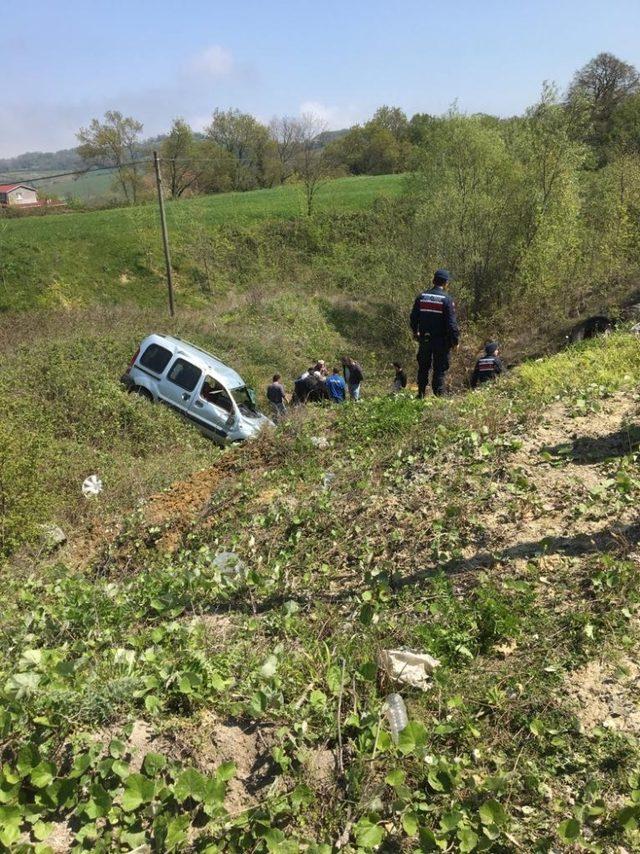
(17, 194)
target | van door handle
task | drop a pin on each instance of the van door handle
(199, 404)
(186, 395)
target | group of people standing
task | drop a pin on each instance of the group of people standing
(317, 383)
(435, 327)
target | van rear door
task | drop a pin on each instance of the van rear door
(179, 385)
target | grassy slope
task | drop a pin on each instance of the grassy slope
(115, 255)
(516, 569)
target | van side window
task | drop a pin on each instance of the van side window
(155, 358)
(184, 374)
(214, 393)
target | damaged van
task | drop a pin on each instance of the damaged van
(196, 384)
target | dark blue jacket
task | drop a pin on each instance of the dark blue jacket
(434, 314)
(487, 368)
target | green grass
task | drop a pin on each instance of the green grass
(494, 758)
(287, 202)
(115, 255)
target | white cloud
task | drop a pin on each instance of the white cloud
(214, 61)
(335, 118)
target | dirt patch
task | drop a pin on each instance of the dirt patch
(184, 498)
(209, 742)
(217, 627)
(607, 695)
(141, 742)
(60, 839)
(320, 768)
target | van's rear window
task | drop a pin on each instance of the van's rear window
(155, 358)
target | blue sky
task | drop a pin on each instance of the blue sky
(66, 61)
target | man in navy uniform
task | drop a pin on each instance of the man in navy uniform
(435, 326)
(488, 367)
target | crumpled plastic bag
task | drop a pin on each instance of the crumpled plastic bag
(229, 564)
(411, 668)
(91, 486)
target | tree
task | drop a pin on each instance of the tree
(286, 133)
(219, 168)
(114, 142)
(625, 126)
(379, 147)
(392, 119)
(311, 162)
(178, 152)
(602, 85)
(248, 141)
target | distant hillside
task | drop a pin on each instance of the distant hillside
(42, 161)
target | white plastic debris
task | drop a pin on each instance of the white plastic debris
(396, 713)
(320, 442)
(327, 479)
(412, 668)
(91, 486)
(51, 536)
(228, 563)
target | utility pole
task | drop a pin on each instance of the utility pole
(165, 236)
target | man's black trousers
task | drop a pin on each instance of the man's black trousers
(432, 353)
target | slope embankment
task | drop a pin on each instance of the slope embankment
(156, 694)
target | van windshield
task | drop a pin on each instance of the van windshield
(246, 400)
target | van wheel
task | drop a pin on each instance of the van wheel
(142, 392)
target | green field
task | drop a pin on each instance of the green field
(106, 256)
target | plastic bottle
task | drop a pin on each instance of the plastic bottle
(396, 713)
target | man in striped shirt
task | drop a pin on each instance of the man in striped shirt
(435, 326)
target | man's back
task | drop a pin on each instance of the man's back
(275, 393)
(336, 387)
(434, 314)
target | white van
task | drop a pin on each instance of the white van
(197, 385)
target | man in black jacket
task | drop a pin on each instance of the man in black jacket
(488, 367)
(435, 326)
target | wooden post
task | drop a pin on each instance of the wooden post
(165, 236)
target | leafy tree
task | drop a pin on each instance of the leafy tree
(114, 142)
(247, 140)
(180, 162)
(379, 147)
(602, 85)
(392, 119)
(465, 188)
(549, 207)
(219, 168)
(625, 127)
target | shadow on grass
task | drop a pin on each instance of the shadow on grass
(619, 539)
(585, 449)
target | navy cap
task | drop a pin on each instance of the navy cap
(443, 275)
(491, 348)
